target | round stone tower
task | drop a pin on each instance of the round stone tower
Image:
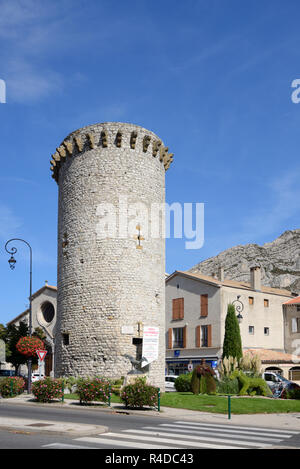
(111, 251)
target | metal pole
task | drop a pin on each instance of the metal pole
(158, 400)
(12, 252)
(229, 407)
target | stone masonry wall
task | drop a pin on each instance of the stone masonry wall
(106, 284)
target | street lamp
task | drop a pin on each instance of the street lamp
(238, 308)
(12, 262)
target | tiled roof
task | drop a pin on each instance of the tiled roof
(294, 301)
(231, 283)
(268, 356)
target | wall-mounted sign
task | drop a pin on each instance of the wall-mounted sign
(150, 345)
(176, 353)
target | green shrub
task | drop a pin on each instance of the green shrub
(248, 385)
(139, 394)
(227, 386)
(93, 389)
(183, 383)
(203, 379)
(47, 389)
(11, 386)
(195, 382)
(292, 394)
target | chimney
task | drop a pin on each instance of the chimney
(221, 273)
(255, 278)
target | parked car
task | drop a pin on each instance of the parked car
(36, 377)
(273, 379)
(170, 383)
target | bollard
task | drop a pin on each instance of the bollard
(109, 395)
(63, 391)
(11, 388)
(158, 399)
(229, 407)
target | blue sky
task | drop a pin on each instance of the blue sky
(211, 78)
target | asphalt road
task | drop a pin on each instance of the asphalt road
(134, 431)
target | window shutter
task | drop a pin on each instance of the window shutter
(177, 308)
(184, 337)
(209, 341)
(204, 306)
(170, 337)
(198, 336)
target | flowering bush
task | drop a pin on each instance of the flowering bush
(29, 345)
(139, 394)
(47, 389)
(10, 387)
(93, 389)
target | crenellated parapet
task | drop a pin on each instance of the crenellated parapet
(108, 136)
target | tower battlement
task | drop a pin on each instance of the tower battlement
(107, 135)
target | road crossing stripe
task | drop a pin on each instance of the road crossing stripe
(65, 446)
(251, 436)
(153, 439)
(227, 439)
(213, 425)
(115, 442)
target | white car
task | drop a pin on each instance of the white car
(36, 377)
(170, 382)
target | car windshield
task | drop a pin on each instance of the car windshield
(283, 379)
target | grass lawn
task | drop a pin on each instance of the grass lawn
(219, 404)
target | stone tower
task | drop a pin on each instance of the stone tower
(111, 267)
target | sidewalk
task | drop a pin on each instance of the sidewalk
(279, 421)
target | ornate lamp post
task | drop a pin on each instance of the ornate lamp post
(238, 308)
(12, 262)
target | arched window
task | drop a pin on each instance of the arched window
(48, 311)
(294, 373)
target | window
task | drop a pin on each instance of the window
(251, 330)
(178, 337)
(266, 303)
(266, 330)
(66, 339)
(204, 306)
(177, 309)
(251, 300)
(205, 336)
(295, 325)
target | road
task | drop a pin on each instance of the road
(129, 432)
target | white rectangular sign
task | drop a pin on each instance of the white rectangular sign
(150, 345)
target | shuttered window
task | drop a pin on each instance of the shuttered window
(204, 336)
(177, 309)
(204, 306)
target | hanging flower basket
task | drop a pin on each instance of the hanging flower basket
(29, 345)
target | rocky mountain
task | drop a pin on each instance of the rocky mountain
(279, 261)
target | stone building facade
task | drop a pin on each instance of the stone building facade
(111, 270)
(43, 317)
(196, 308)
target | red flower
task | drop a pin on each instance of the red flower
(29, 345)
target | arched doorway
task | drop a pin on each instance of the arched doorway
(275, 369)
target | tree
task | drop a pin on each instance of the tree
(232, 346)
(13, 334)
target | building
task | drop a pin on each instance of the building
(44, 307)
(196, 308)
(291, 312)
(111, 271)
